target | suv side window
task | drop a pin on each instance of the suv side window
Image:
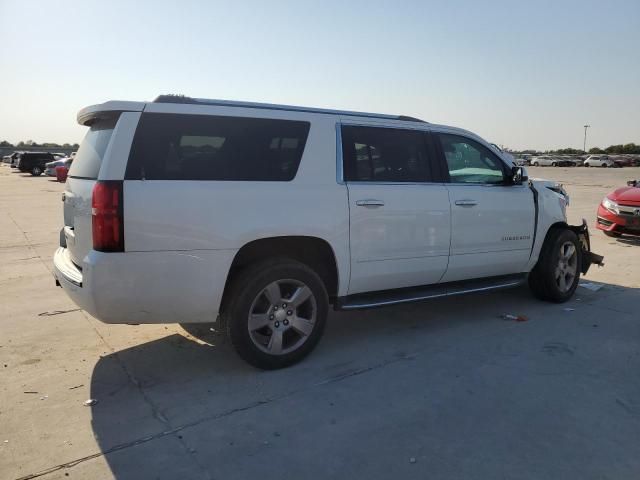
(207, 147)
(470, 162)
(376, 154)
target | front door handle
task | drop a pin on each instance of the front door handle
(370, 203)
(466, 203)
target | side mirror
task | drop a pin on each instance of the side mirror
(518, 175)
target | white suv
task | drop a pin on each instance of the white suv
(188, 210)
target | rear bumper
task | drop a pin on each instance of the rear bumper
(588, 257)
(146, 287)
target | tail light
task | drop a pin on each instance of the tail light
(107, 216)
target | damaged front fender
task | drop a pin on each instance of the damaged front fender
(587, 256)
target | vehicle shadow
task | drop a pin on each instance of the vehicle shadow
(152, 395)
(629, 240)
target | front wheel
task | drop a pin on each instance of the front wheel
(36, 171)
(556, 275)
(276, 313)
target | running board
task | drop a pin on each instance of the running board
(416, 294)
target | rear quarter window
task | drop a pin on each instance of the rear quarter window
(89, 158)
(206, 147)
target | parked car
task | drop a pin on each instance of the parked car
(50, 168)
(599, 161)
(624, 161)
(34, 162)
(547, 161)
(183, 210)
(11, 158)
(619, 211)
(576, 161)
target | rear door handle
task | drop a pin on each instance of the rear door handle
(466, 203)
(370, 203)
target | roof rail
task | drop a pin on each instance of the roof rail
(271, 106)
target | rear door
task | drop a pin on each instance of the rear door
(492, 221)
(83, 174)
(399, 213)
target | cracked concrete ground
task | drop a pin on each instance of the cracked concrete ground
(443, 389)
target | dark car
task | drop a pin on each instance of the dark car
(34, 162)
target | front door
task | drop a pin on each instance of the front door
(492, 221)
(399, 218)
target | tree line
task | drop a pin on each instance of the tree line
(31, 143)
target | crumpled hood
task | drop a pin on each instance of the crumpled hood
(540, 184)
(626, 195)
(544, 183)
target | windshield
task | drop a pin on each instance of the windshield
(91, 152)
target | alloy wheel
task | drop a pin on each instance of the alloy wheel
(567, 267)
(282, 316)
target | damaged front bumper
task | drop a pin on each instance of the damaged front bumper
(587, 257)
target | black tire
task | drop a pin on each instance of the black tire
(542, 279)
(247, 287)
(535, 164)
(612, 234)
(36, 171)
(586, 165)
(604, 165)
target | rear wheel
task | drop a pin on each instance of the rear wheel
(604, 165)
(556, 275)
(612, 234)
(36, 171)
(535, 164)
(276, 313)
(554, 164)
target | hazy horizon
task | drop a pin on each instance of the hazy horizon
(523, 76)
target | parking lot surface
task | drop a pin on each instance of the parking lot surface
(442, 389)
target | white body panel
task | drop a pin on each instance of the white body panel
(491, 230)
(181, 236)
(402, 243)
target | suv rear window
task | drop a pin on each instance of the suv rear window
(86, 163)
(206, 147)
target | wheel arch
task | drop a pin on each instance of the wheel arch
(315, 252)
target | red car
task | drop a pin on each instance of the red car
(619, 211)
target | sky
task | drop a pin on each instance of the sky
(520, 74)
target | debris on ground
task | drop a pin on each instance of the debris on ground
(77, 386)
(28, 391)
(594, 287)
(44, 397)
(515, 318)
(90, 403)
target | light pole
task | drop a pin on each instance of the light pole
(584, 145)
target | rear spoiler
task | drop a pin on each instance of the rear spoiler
(88, 114)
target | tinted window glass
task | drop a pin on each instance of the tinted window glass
(470, 162)
(373, 154)
(204, 147)
(91, 152)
